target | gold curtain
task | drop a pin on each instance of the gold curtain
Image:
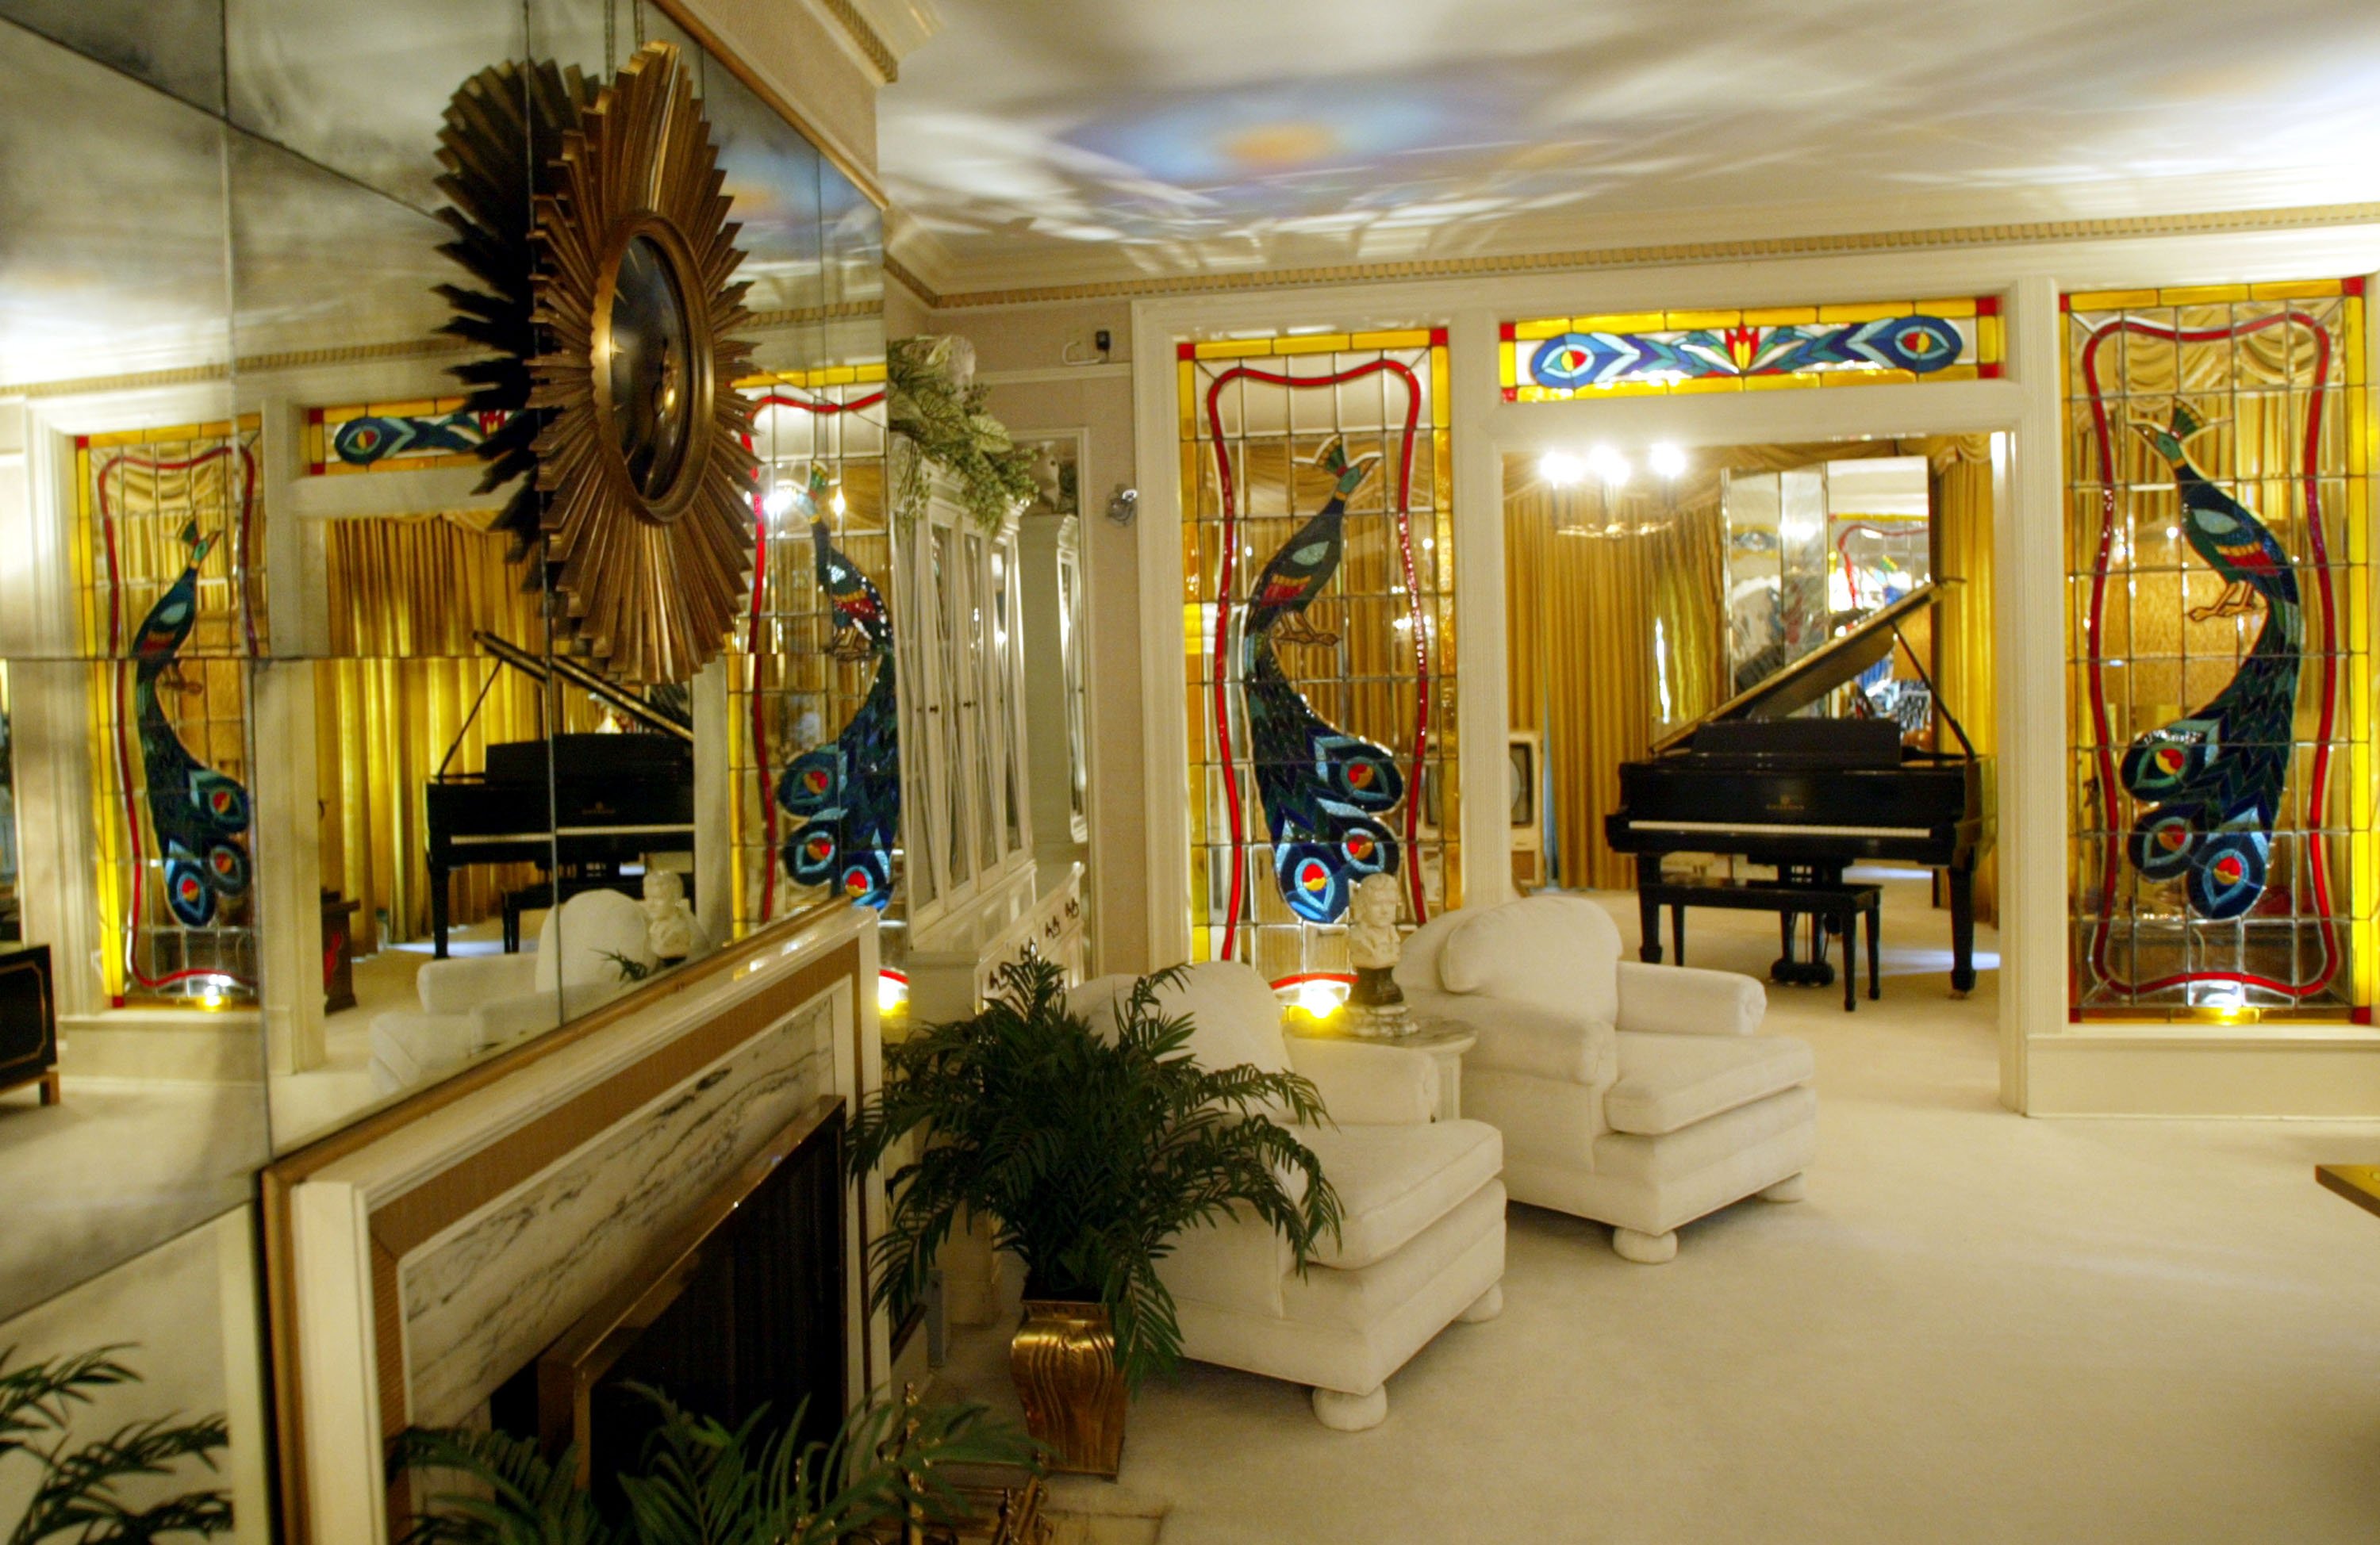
(1960, 475)
(1586, 579)
(405, 594)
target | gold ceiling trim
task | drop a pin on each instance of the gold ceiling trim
(2023, 233)
(899, 271)
(887, 64)
(255, 364)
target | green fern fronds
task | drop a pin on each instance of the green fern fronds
(1090, 1154)
(79, 1492)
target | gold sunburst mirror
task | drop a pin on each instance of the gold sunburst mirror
(648, 519)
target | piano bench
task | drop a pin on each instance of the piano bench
(1842, 905)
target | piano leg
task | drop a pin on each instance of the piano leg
(1649, 912)
(438, 910)
(1962, 932)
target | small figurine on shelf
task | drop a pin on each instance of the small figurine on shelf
(671, 924)
(1377, 1005)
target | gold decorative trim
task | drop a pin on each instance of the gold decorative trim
(2020, 233)
(887, 64)
(894, 269)
(198, 375)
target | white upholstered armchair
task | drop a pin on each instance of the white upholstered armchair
(1423, 1240)
(1641, 1096)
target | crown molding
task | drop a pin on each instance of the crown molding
(1666, 254)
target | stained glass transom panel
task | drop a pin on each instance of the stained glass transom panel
(1318, 637)
(2218, 530)
(1656, 352)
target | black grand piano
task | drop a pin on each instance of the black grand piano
(613, 797)
(1813, 795)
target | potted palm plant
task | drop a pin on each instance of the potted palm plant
(80, 1491)
(1090, 1154)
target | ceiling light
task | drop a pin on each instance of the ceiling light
(1608, 464)
(1560, 468)
(779, 499)
(1666, 460)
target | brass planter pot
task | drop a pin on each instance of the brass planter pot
(1063, 1361)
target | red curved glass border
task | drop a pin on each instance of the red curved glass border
(2112, 859)
(1226, 754)
(824, 407)
(116, 647)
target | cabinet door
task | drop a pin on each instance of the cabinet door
(983, 748)
(1070, 654)
(913, 633)
(951, 704)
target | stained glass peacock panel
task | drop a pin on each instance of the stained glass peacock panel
(2218, 525)
(1318, 638)
(170, 580)
(815, 759)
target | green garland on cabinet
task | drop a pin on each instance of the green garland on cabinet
(946, 425)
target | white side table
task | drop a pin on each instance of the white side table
(1445, 1040)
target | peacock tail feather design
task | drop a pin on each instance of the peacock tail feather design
(2211, 780)
(846, 794)
(1323, 790)
(198, 813)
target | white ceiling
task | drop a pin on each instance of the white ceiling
(1038, 142)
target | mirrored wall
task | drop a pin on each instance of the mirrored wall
(315, 787)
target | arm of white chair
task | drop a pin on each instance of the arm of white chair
(1687, 1000)
(463, 983)
(1366, 1084)
(1238, 1264)
(1517, 1037)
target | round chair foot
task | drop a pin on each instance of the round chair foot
(1646, 1249)
(1486, 1307)
(1351, 1413)
(1793, 1188)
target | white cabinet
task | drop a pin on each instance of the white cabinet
(976, 896)
(1057, 706)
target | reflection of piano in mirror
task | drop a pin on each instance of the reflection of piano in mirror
(1812, 796)
(614, 797)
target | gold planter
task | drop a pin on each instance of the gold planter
(1063, 1361)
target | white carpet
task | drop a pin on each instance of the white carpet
(1978, 1328)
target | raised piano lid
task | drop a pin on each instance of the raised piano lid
(1821, 671)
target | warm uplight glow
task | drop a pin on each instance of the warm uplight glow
(838, 501)
(1560, 468)
(1320, 998)
(892, 993)
(777, 500)
(1666, 460)
(1609, 465)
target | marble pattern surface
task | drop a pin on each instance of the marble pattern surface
(485, 1297)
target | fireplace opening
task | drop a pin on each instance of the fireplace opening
(743, 1308)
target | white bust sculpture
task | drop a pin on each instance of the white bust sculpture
(670, 924)
(1375, 1006)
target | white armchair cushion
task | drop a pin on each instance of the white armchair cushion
(1518, 1037)
(1555, 952)
(1365, 1083)
(1668, 1082)
(1393, 1182)
(1686, 1000)
(462, 984)
(579, 937)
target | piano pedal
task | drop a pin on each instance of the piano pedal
(1802, 973)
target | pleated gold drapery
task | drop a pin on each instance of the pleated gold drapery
(1959, 473)
(405, 595)
(1585, 667)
